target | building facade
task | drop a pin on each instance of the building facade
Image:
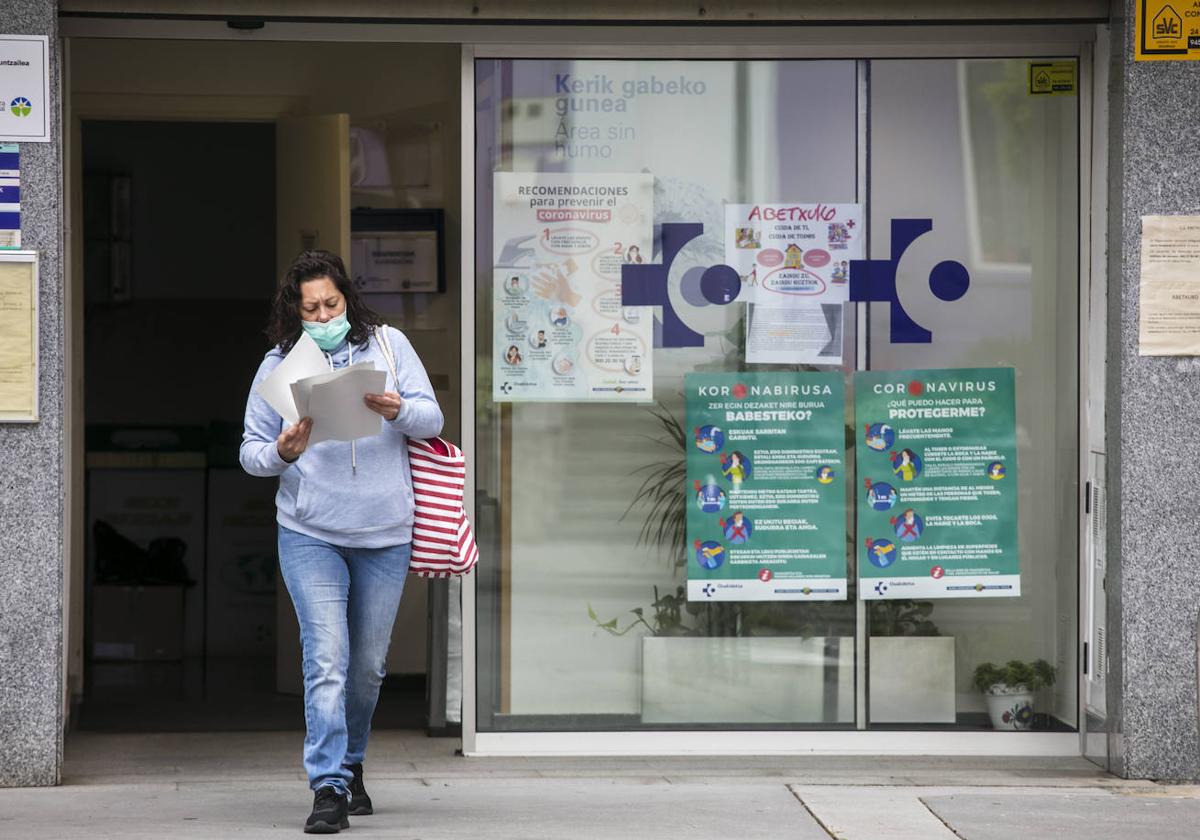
(647, 217)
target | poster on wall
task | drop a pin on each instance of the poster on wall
(25, 88)
(395, 261)
(794, 335)
(10, 196)
(794, 262)
(1164, 34)
(936, 454)
(559, 330)
(766, 491)
(18, 337)
(1169, 287)
(793, 254)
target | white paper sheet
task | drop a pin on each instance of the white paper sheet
(795, 254)
(336, 405)
(304, 360)
(1169, 303)
(809, 334)
(302, 389)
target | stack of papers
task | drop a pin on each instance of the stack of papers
(303, 386)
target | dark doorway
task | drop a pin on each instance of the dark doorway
(179, 269)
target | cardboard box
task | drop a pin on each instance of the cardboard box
(137, 622)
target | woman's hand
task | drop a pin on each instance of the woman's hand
(387, 404)
(293, 440)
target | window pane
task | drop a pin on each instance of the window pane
(964, 144)
(558, 481)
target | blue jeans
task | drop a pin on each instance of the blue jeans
(346, 601)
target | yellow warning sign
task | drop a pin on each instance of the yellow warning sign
(1052, 78)
(1167, 30)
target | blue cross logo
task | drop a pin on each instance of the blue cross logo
(646, 285)
(875, 281)
(870, 281)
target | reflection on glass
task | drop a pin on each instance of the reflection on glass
(963, 143)
(584, 621)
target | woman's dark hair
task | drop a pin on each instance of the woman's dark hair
(283, 328)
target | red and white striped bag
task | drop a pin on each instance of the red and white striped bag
(443, 543)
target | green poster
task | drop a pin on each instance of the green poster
(937, 493)
(766, 512)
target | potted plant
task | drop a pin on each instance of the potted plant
(697, 667)
(667, 618)
(1009, 690)
(753, 661)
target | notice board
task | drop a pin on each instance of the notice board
(18, 336)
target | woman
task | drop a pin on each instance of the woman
(345, 523)
(905, 465)
(736, 471)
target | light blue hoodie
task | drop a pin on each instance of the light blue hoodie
(321, 494)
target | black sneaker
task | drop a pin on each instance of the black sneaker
(360, 803)
(328, 813)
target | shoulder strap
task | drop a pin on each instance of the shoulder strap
(385, 346)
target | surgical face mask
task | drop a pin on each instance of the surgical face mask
(328, 335)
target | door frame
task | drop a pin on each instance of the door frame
(866, 41)
(1092, 233)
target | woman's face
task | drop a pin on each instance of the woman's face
(320, 300)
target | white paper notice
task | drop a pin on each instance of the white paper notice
(1170, 286)
(805, 335)
(336, 404)
(302, 389)
(793, 254)
(304, 360)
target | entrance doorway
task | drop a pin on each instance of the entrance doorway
(191, 195)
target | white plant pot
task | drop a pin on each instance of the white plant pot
(1011, 709)
(751, 679)
(912, 679)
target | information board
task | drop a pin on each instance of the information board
(766, 491)
(937, 496)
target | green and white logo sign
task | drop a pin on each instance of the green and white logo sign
(766, 487)
(937, 495)
(25, 85)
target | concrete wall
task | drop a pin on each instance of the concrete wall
(31, 472)
(1152, 426)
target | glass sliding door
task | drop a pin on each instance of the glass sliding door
(584, 618)
(996, 169)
